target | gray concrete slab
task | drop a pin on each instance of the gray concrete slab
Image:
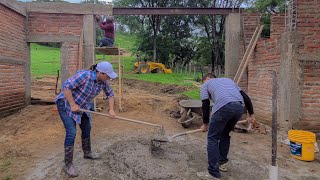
(28, 76)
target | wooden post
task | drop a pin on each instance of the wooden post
(194, 70)
(120, 80)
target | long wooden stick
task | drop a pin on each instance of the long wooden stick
(120, 80)
(123, 118)
(244, 58)
(248, 53)
(251, 51)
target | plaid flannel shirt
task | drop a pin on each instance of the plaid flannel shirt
(84, 87)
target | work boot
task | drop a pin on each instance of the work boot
(86, 147)
(206, 176)
(223, 167)
(69, 168)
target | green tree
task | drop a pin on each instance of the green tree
(212, 27)
(267, 8)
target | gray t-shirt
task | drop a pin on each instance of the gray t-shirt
(222, 91)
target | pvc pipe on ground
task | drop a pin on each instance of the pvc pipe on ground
(273, 172)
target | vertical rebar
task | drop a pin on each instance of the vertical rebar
(274, 118)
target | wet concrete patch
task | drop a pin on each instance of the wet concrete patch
(135, 156)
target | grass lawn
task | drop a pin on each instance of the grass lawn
(46, 61)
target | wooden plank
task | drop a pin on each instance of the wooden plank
(249, 54)
(245, 56)
(108, 50)
(120, 81)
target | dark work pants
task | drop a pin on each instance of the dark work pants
(221, 123)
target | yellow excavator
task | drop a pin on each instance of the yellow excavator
(153, 67)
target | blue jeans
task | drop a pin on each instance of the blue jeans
(221, 123)
(106, 42)
(70, 124)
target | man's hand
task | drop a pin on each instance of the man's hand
(251, 119)
(75, 108)
(112, 114)
(204, 127)
(98, 18)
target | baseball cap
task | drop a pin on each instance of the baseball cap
(106, 67)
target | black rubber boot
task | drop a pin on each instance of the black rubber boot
(69, 168)
(86, 147)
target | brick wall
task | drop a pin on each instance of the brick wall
(54, 24)
(58, 24)
(73, 58)
(277, 25)
(13, 54)
(310, 96)
(308, 21)
(308, 27)
(265, 58)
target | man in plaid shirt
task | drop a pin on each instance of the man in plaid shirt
(78, 92)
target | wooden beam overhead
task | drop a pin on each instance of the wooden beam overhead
(174, 11)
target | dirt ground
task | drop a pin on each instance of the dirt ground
(31, 142)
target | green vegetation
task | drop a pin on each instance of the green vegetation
(46, 61)
(194, 94)
(126, 41)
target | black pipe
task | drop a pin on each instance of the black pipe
(274, 119)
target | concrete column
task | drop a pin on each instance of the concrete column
(89, 37)
(290, 82)
(232, 44)
(28, 76)
(64, 54)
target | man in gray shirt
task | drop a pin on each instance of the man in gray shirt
(228, 101)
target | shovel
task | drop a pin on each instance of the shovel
(157, 142)
(162, 132)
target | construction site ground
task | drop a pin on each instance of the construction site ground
(31, 142)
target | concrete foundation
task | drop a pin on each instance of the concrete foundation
(290, 82)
